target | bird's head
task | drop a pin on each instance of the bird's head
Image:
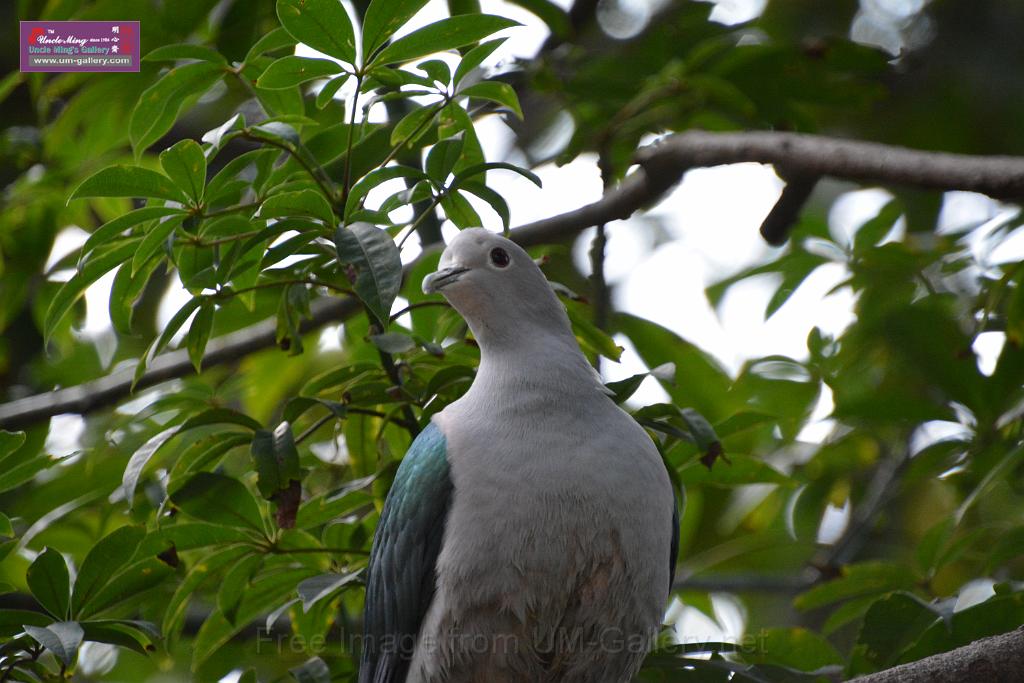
(496, 287)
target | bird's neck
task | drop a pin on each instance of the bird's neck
(539, 372)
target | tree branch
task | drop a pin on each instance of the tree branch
(1001, 177)
(999, 658)
(661, 166)
(801, 159)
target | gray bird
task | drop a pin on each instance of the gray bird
(531, 532)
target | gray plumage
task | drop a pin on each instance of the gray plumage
(558, 542)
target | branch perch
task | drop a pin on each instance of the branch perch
(999, 658)
(662, 166)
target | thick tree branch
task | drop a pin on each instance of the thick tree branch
(999, 658)
(1001, 177)
(801, 159)
(661, 166)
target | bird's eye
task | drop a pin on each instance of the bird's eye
(500, 257)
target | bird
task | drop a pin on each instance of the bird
(531, 531)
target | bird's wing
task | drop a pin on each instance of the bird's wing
(401, 575)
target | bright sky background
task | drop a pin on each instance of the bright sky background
(712, 218)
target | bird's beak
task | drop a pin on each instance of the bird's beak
(435, 282)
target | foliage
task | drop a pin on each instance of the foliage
(224, 517)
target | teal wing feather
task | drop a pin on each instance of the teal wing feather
(401, 575)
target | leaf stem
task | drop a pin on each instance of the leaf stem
(347, 178)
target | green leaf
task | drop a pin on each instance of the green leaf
(278, 39)
(89, 273)
(297, 406)
(383, 18)
(154, 240)
(235, 584)
(157, 108)
(128, 181)
(495, 200)
(623, 389)
(62, 639)
(170, 53)
(1001, 613)
(442, 159)
(475, 57)
(591, 336)
(459, 211)
(205, 453)
(378, 262)
(865, 578)
(200, 572)
(14, 476)
(139, 636)
(48, 580)
(127, 587)
(185, 165)
(869, 233)
(495, 91)
(276, 460)
(199, 334)
(12, 621)
(797, 648)
(300, 203)
(702, 431)
(413, 125)
(218, 499)
(291, 71)
(479, 169)
(375, 178)
(170, 329)
(10, 442)
(138, 461)
(323, 25)
(191, 535)
(437, 71)
(216, 416)
(447, 34)
(315, 589)
(6, 530)
(739, 471)
(264, 593)
(891, 625)
(104, 561)
(113, 229)
(330, 89)
(703, 384)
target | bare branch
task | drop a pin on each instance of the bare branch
(801, 159)
(661, 166)
(1001, 177)
(999, 658)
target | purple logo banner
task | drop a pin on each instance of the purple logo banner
(80, 46)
